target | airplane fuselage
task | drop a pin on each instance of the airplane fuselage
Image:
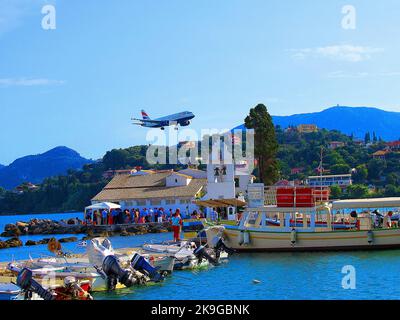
(181, 118)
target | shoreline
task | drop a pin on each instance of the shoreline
(37, 213)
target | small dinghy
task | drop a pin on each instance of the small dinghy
(116, 270)
(71, 289)
(187, 254)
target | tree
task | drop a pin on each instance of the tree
(116, 159)
(361, 173)
(265, 143)
(357, 191)
(367, 138)
(391, 190)
(340, 168)
(376, 168)
(336, 192)
(374, 138)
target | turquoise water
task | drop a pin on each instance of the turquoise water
(281, 275)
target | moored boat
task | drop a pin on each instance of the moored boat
(340, 225)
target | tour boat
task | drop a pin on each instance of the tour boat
(312, 225)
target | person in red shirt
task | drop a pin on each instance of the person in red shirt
(177, 225)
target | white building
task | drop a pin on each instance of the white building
(166, 189)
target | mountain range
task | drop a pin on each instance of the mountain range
(35, 168)
(349, 120)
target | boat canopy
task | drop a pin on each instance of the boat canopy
(220, 203)
(103, 205)
(367, 203)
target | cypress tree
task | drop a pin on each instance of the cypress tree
(265, 143)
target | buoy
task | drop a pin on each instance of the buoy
(255, 281)
(370, 236)
(293, 236)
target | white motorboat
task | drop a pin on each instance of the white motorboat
(187, 254)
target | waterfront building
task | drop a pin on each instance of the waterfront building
(166, 189)
(342, 180)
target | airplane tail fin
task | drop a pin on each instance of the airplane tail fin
(145, 116)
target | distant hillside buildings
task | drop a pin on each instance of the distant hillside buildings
(307, 128)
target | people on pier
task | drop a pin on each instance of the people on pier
(110, 217)
(214, 215)
(104, 217)
(98, 217)
(88, 217)
(176, 222)
(160, 213)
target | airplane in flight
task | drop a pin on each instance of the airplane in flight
(181, 118)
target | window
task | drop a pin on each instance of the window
(140, 203)
(129, 203)
(184, 201)
(169, 201)
(155, 202)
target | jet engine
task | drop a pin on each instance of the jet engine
(185, 123)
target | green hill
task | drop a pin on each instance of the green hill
(74, 190)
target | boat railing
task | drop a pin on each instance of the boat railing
(295, 196)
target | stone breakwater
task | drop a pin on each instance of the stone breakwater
(51, 227)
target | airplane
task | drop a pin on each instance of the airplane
(181, 118)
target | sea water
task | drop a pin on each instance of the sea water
(280, 275)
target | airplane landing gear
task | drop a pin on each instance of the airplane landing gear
(162, 128)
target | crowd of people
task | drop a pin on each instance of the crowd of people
(137, 216)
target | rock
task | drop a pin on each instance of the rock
(125, 233)
(22, 224)
(71, 221)
(14, 242)
(44, 241)
(11, 230)
(31, 243)
(3, 245)
(70, 239)
(10, 227)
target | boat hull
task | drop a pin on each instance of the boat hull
(312, 241)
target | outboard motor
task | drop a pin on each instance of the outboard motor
(201, 253)
(220, 246)
(140, 264)
(29, 285)
(115, 273)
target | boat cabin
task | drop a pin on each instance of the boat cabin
(355, 214)
(284, 219)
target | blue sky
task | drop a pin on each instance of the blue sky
(80, 84)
